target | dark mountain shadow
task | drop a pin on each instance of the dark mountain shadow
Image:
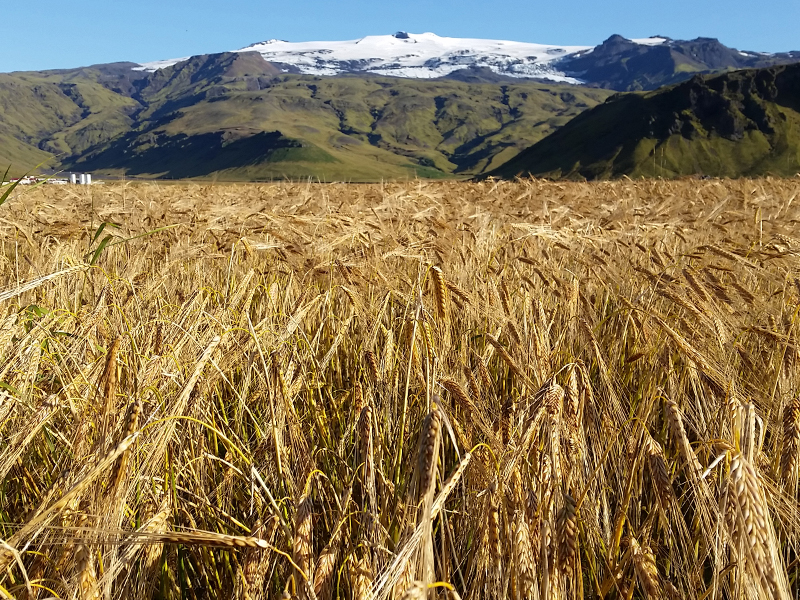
(183, 156)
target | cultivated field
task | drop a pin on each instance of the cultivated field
(494, 390)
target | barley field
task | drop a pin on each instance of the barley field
(522, 390)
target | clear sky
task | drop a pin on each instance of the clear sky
(48, 34)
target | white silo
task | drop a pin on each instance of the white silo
(88, 179)
(83, 178)
(73, 178)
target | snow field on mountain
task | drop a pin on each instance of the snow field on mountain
(422, 56)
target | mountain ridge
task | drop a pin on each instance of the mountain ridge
(742, 123)
(618, 63)
(332, 128)
(123, 119)
(228, 115)
(625, 65)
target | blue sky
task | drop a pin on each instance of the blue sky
(47, 34)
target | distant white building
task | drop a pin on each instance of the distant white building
(80, 178)
(74, 178)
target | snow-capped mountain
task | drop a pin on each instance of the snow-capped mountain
(618, 63)
(419, 56)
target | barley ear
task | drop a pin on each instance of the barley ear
(646, 571)
(87, 576)
(118, 471)
(567, 527)
(109, 378)
(302, 549)
(361, 579)
(440, 294)
(791, 440)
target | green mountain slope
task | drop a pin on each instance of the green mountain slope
(744, 123)
(352, 128)
(28, 114)
(356, 128)
(231, 116)
(51, 115)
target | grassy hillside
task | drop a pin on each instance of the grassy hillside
(341, 128)
(30, 112)
(18, 156)
(744, 123)
(228, 116)
(59, 117)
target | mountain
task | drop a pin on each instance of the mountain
(235, 116)
(355, 128)
(631, 65)
(59, 113)
(409, 55)
(378, 107)
(743, 123)
(618, 63)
